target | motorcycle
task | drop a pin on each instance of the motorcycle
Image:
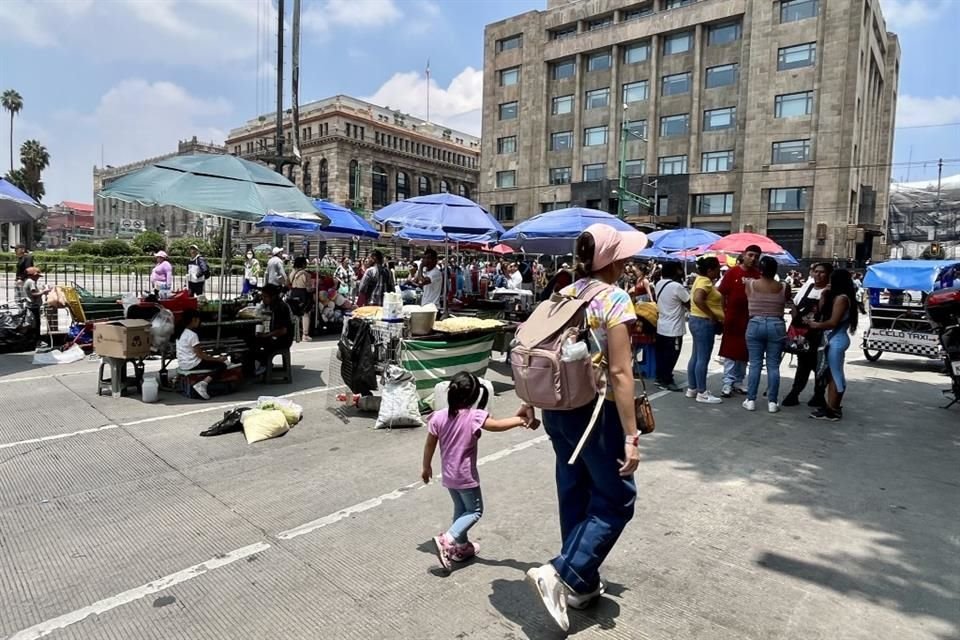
(943, 312)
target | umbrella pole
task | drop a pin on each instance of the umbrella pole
(223, 269)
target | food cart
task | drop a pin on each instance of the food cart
(896, 319)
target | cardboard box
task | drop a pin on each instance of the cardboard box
(122, 338)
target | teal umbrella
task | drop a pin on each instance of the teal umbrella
(217, 185)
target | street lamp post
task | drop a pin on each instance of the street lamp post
(622, 192)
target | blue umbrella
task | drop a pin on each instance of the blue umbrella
(786, 259)
(413, 234)
(654, 235)
(16, 206)
(439, 212)
(344, 222)
(554, 232)
(681, 239)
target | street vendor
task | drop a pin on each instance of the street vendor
(161, 278)
(278, 338)
(190, 355)
(514, 277)
(429, 278)
(34, 295)
(377, 280)
(197, 271)
(276, 274)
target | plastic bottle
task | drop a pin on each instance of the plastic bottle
(574, 350)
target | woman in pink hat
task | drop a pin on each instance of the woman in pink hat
(161, 278)
(597, 492)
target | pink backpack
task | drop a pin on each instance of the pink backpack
(542, 378)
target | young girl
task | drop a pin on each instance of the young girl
(457, 429)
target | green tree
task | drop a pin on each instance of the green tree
(12, 102)
(83, 248)
(110, 248)
(35, 158)
(150, 242)
(181, 247)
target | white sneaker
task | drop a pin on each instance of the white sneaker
(773, 407)
(739, 388)
(708, 398)
(749, 405)
(547, 584)
(584, 600)
(726, 391)
(201, 389)
(690, 393)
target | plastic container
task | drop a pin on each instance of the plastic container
(151, 390)
(421, 322)
(574, 350)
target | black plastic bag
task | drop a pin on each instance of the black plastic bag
(229, 424)
(358, 358)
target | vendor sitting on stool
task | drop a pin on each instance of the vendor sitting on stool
(280, 336)
(190, 355)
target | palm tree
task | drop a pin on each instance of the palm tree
(12, 102)
(35, 158)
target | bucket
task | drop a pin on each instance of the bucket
(151, 389)
(421, 322)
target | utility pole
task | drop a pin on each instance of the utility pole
(622, 192)
(279, 133)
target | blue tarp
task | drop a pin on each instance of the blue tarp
(910, 275)
(555, 232)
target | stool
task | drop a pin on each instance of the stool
(285, 374)
(189, 377)
(119, 381)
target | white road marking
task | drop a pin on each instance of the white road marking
(60, 436)
(48, 376)
(160, 584)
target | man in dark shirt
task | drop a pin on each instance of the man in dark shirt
(279, 337)
(24, 262)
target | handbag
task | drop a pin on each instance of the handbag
(797, 341)
(646, 422)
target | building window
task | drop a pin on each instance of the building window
(726, 33)
(513, 42)
(546, 207)
(323, 176)
(636, 129)
(508, 111)
(563, 69)
(677, 43)
(672, 165)
(793, 10)
(678, 125)
(636, 14)
(506, 179)
(561, 105)
(504, 212)
(463, 191)
(634, 168)
(378, 182)
(594, 136)
(713, 204)
(597, 99)
(507, 145)
(792, 105)
(560, 175)
(676, 4)
(635, 91)
(509, 77)
(307, 178)
(789, 199)
(594, 172)
(403, 186)
(716, 161)
(637, 52)
(676, 84)
(598, 61)
(424, 188)
(791, 151)
(600, 23)
(717, 119)
(721, 76)
(354, 172)
(561, 140)
(797, 56)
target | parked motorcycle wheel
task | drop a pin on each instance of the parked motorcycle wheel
(872, 356)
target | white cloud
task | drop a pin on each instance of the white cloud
(457, 106)
(134, 120)
(913, 111)
(909, 13)
(361, 14)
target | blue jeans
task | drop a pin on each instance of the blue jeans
(734, 371)
(765, 339)
(704, 336)
(837, 344)
(467, 510)
(596, 503)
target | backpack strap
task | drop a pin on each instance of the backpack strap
(550, 317)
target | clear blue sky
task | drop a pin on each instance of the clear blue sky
(127, 79)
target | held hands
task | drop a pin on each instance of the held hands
(426, 473)
(529, 415)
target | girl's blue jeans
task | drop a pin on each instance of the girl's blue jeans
(467, 510)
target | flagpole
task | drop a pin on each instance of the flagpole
(428, 89)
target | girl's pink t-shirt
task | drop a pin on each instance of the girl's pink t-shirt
(458, 445)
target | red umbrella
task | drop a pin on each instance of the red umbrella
(500, 249)
(738, 243)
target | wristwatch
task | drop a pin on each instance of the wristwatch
(634, 440)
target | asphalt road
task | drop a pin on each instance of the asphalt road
(118, 521)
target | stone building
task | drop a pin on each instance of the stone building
(118, 219)
(774, 116)
(364, 156)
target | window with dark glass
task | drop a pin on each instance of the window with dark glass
(561, 105)
(676, 4)
(634, 168)
(307, 178)
(721, 76)
(463, 191)
(797, 56)
(678, 125)
(637, 13)
(508, 111)
(424, 187)
(560, 175)
(513, 42)
(677, 43)
(794, 10)
(716, 161)
(593, 136)
(594, 172)
(561, 140)
(509, 77)
(672, 165)
(403, 186)
(563, 32)
(789, 151)
(676, 84)
(598, 61)
(507, 144)
(725, 33)
(792, 105)
(563, 69)
(354, 172)
(713, 204)
(323, 177)
(378, 183)
(636, 130)
(788, 199)
(506, 179)
(635, 91)
(600, 23)
(504, 212)
(444, 186)
(717, 119)
(636, 52)
(597, 99)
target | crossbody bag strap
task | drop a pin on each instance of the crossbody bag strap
(593, 421)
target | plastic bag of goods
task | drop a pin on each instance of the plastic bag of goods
(263, 424)
(291, 410)
(161, 328)
(399, 404)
